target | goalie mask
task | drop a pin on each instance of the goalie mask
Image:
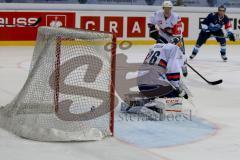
(177, 41)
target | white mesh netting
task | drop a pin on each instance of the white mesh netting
(68, 92)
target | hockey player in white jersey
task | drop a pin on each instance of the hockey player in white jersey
(165, 25)
(159, 83)
(161, 72)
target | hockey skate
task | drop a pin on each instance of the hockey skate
(224, 57)
(192, 56)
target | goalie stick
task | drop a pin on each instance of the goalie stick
(209, 82)
(28, 25)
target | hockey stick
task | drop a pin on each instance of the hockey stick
(209, 82)
(28, 25)
(183, 43)
(237, 36)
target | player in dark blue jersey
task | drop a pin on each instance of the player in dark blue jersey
(213, 26)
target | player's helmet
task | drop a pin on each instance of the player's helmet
(167, 4)
(222, 8)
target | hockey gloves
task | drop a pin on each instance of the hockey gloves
(153, 33)
(231, 36)
(175, 40)
(185, 71)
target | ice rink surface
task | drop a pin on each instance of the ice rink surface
(219, 106)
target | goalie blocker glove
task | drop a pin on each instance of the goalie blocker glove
(178, 93)
(182, 93)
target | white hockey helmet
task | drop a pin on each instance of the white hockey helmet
(167, 4)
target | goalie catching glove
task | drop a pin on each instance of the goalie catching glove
(178, 93)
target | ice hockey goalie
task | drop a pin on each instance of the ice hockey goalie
(159, 82)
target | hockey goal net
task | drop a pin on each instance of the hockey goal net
(69, 92)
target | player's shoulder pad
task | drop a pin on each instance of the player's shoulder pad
(162, 46)
(159, 12)
(226, 17)
(212, 14)
(176, 18)
(157, 45)
(175, 15)
(169, 46)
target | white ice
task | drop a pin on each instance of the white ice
(219, 105)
